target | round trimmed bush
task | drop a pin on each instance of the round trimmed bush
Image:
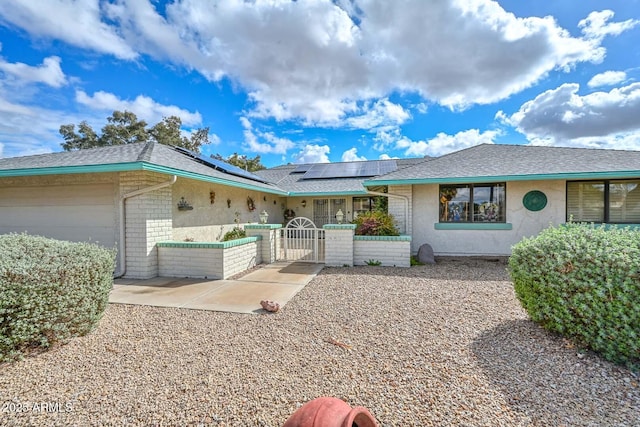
(50, 291)
(583, 281)
(375, 223)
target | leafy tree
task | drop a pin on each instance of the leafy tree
(123, 127)
(242, 161)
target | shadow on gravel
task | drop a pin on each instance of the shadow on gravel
(543, 376)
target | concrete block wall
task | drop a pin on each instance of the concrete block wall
(240, 258)
(397, 207)
(270, 243)
(211, 260)
(190, 262)
(148, 221)
(338, 241)
(389, 250)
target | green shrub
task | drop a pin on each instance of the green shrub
(50, 291)
(235, 233)
(583, 281)
(375, 223)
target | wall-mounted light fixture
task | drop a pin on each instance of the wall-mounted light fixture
(340, 216)
(183, 205)
(228, 203)
(304, 203)
(212, 196)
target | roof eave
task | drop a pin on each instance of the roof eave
(66, 170)
(327, 193)
(494, 178)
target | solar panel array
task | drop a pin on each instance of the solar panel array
(220, 165)
(302, 168)
(349, 170)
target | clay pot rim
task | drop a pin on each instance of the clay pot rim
(363, 415)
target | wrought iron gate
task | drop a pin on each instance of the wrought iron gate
(303, 241)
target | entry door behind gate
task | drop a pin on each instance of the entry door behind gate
(324, 210)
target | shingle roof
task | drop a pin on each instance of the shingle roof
(140, 156)
(517, 162)
(283, 177)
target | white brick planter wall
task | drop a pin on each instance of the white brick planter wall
(390, 250)
(215, 260)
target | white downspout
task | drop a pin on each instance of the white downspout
(122, 244)
(396, 196)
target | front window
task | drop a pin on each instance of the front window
(615, 201)
(473, 203)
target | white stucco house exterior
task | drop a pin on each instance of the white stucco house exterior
(477, 201)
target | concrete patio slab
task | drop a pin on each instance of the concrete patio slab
(277, 282)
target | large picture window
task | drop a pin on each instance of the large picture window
(473, 203)
(614, 201)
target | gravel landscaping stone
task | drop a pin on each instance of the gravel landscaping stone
(438, 345)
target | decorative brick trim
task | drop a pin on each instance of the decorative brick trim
(210, 245)
(387, 238)
(339, 226)
(262, 226)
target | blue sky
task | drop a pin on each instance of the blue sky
(320, 80)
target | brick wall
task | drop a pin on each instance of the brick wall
(397, 207)
(338, 243)
(389, 252)
(216, 260)
(148, 221)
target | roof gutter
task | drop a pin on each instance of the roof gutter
(122, 250)
(396, 196)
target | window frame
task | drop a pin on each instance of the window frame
(471, 186)
(606, 217)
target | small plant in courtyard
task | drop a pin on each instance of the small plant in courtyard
(583, 281)
(50, 291)
(414, 261)
(375, 223)
(373, 262)
(237, 232)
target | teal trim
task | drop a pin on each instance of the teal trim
(483, 179)
(328, 193)
(262, 226)
(473, 226)
(184, 174)
(66, 170)
(210, 245)
(402, 238)
(339, 226)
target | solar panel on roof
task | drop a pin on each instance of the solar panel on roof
(302, 168)
(350, 170)
(220, 165)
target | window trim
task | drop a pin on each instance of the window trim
(471, 186)
(607, 199)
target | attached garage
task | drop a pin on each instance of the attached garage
(75, 212)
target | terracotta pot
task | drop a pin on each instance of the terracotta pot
(330, 412)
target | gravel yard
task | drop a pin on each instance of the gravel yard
(432, 345)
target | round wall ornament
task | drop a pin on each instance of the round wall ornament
(534, 200)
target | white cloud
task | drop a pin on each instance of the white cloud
(380, 113)
(323, 70)
(79, 23)
(386, 157)
(1, 149)
(597, 26)
(444, 143)
(273, 144)
(48, 73)
(351, 155)
(608, 78)
(313, 153)
(563, 114)
(144, 107)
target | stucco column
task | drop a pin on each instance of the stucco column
(270, 243)
(338, 244)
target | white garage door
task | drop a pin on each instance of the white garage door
(79, 213)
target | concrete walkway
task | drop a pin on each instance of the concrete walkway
(277, 282)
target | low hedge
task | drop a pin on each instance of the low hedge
(583, 281)
(50, 291)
